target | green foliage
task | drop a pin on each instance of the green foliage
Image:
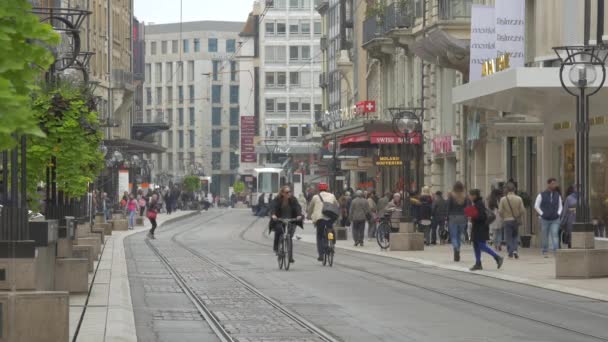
(375, 8)
(238, 187)
(192, 183)
(67, 116)
(21, 62)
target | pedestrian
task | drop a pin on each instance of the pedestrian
(303, 202)
(382, 203)
(439, 216)
(106, 206)
(345, 202)
(358, 215)
(285, 206)
(372, 222)
(548, 206)
(511, 210)
(260, 205)
(167, 200)
(153, 208)
(321, 222)
(425, 214)
(457, 221)
(480, 231)
(568, 216)
(232, 200)
(132, 210)
(496, 227)
(142, 204)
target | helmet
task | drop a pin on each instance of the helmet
(323, 187)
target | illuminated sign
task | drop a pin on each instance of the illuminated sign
(389, 161)
(495, 65)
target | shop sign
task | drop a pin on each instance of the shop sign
(495, 65)
(443, 144)
(349, 165)
(365, 163)
(248, 154)
(389, 161)
(365, 185)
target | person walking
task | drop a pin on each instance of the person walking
(480, 231)
(345, 202)
(548, 206)
(321, 222)
(372, 222)
(439, 216)
(153, 209)
(382, 203)
(142, 204)
(568, 216)
(106, 206)
(285, 206)
(425, 213)
(511, 210)
(496, 227)
(233, 200)
(359, 211)
(167, 200)
(132, 211)
(457, 221)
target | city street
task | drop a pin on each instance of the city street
(223, 280)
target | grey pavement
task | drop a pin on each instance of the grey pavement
(362, 298)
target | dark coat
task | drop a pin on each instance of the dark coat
(294, 205)
(425, 209)
(480, 230)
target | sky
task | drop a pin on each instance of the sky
(167, 11)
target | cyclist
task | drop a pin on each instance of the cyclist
(315, 212)
(284, 206)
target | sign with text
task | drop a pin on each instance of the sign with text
(247, 136)
(389, 161)
(511, 30)
(365, 163)
(349, 164)
(483, 38)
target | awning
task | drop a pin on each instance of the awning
(391, 138)
(355, 138)
(134, 146)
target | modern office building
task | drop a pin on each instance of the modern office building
(192, 82)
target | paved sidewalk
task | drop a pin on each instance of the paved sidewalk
(109, 311)
(531, 268)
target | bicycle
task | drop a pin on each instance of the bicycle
(285, 250)
(329, 251)
(385, 227)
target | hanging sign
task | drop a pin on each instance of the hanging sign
(389, 161)
(483, 38)
(511, 30)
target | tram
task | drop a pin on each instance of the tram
(269, 180)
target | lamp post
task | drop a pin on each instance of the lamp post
(407, 125)
(586, 74)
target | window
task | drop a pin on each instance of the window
(174, 46)
(180, 161)
(159, 95)
(169, 96)
(180, 71)
(305, 55)
(212, 45)
(186, 46)
(294, 78)
(318, 108)
(305, 106)
(148, 96)
(191, 156)
(234, 139)
(305, 130)
(294, 29)
(159, 115)
(281, 28)
(159, 158)
(197, 45)
(234, 116)
(170, 161)
(180, 139)
(317, 27)
(216, 116)
(281, 131)
(230, 45)
(180, 117)
(216, 162)
(148, 115)
(180, 94)
(216, 93)
(216, 69)
(169, 71)
(294, 106)
(192, 116)
(270, 79)
(163, 47)
(153, 48)
(158, 72)
(294, 3)
(234, 161)
(281, 106)
(281, 79)
(190, 71)
(294, 53)
(270, 105)
(270, 29)
(275, 54)
(234, 94)
(233, 71)
(170, 139)
(148, 71)
(305, 28)
(170, 116)
(191, 93)
(216, 138)
(191, 136)
(293, 131)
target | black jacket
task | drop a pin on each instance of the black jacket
(294, 205)
(480, 230)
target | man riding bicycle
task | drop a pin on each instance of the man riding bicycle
(321, 222)
(284, 206)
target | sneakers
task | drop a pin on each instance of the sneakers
(499, 261)
(515, 255)
(476, 267)
(456, 255)
(151, 236)
(320, 258)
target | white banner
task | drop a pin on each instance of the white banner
(483, 36)
(511, 30)
(123, 182)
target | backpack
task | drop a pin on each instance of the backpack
(330, 210)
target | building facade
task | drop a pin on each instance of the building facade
(192, 82)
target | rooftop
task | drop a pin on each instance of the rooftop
(206, 25)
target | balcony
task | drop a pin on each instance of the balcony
(144, 131)
(122, 79)
(374, 40)
(399, 18)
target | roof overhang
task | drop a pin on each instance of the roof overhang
(134, 146)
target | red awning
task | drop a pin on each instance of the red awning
(390, 138)
(355, 138)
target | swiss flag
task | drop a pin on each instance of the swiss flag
(366, 106)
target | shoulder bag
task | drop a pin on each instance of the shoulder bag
(330, 210)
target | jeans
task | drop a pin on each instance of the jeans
(511, 236)
(498, 236)
(321, 235)
(550, 230)
(480, 246)
(358, 231)
(371, 231)
(132, 218)
(456, 231)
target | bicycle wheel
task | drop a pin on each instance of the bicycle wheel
(330, 256)
(325, 253)
(382, 235)
(281, 254)
(288, 252)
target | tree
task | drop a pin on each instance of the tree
(238, 187)
(192, 183)
(21, 62)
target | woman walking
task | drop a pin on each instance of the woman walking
(569, 213)
(480, 232)
(497, 226)
(153, 209)
(457, 221)
(373, 217)
(132, 210)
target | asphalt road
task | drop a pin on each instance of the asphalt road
(361, 298)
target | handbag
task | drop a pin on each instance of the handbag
(151, 214)
(330, 210)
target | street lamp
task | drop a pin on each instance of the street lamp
(586, 74)
(406, 125)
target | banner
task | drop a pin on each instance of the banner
(483, 36)
(123, 182)
(511, 30)
(247, 136)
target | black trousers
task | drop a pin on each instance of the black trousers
(153, 221)
(358, 231)
(278, 234)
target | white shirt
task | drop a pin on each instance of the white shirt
(539, 200)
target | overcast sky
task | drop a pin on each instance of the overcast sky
(167, 11)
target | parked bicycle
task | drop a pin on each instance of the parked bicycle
(285, 250)
(385, 227)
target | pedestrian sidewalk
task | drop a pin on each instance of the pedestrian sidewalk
(530, 269)
(108, 315)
